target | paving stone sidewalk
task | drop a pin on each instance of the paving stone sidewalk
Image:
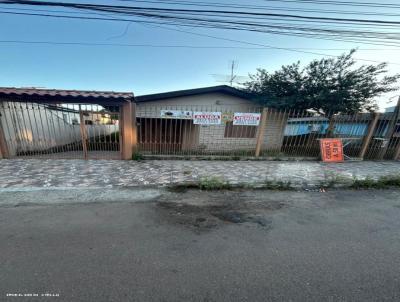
(25, 174)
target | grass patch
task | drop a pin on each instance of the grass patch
(332, 180)
(213, 183)
(383, 182)
(277, 185)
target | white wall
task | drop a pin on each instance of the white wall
(33, 127)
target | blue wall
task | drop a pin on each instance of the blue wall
(305, 127)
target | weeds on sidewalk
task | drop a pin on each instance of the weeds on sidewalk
(216, 184)
(137, 156)
(277, 185)
(213, 183)
(332, 180)
(382, 182)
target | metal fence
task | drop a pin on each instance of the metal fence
(33, 130)
(88, 131)
(194, 130)
(239, 130)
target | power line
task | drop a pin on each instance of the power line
(191, 24)
(126, 45)
(235, 6)
(126, 9)
(341, 3)
(264, 45)
(232, 20)
(261, 7)
(356, 39)
(180, 46)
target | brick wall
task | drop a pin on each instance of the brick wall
(212, 137)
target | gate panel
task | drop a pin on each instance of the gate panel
(33, 130)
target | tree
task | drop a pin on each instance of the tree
(328, 86)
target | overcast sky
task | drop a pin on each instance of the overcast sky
(147, 69)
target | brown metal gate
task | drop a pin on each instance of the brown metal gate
(72, 131)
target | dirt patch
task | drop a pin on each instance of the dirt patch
(215, 213)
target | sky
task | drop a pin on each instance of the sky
(145, 70)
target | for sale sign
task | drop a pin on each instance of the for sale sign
(331, 150)
(207, 118)
(246, 119)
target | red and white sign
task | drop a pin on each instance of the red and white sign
(331, 150)
(246, 119)
(207, 118)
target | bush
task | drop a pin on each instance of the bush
(137, 156)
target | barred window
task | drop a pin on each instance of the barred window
(240, 131)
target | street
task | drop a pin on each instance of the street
(153, 245)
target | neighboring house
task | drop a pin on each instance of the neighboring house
(178, 131)
(346, 126)
(48, 120)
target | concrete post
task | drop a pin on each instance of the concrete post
(261, 131)
(370, 133)
(128, 129)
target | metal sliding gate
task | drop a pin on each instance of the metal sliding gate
(71, 131)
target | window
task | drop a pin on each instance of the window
(240, 131)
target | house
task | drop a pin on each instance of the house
(201, 120)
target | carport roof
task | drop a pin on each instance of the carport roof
(189, 92)
(62, 95)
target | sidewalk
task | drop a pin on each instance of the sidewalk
(17, 174)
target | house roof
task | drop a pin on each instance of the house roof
(61, 95)
(189, 92)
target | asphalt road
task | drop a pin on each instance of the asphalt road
(197, 246)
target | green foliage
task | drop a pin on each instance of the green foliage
(332, 180)
(380, 183)
(137, 156)
(366, 183)
(391, 180)
(277, 185)
(213, 183)
(328, 86)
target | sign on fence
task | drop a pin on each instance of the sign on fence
(331, 150)
(207, 118)
(246, 119)
(176, 114)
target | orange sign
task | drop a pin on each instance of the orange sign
(331, 150)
